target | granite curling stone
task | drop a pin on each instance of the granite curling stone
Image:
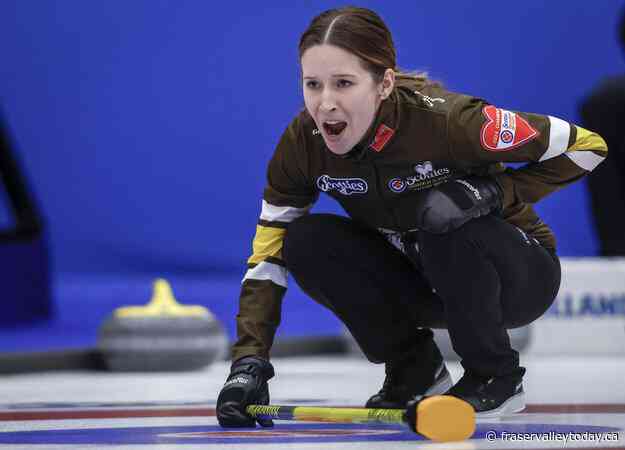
(161, 336)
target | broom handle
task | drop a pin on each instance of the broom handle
(441, 418)
(327, 414)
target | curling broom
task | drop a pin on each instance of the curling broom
(441, 418)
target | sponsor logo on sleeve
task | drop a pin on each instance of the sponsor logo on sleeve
(429, 101)
(345, 186)
(382, 136)
(504, 130)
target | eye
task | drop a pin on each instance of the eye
(344, 83)
(312, 84)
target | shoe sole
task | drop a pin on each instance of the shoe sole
(443, 418)
(441, 386)
(514, 404)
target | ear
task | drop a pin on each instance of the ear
(387, 84)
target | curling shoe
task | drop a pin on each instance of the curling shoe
(408, 379)
(491, 396)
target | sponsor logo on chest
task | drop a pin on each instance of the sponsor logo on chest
(345, 186)
(426, 176)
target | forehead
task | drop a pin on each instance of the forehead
(327, 60)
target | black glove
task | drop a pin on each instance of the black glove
(446, 207)
(246, 385)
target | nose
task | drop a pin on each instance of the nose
(328, 102)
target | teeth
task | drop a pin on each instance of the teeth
(333, 122)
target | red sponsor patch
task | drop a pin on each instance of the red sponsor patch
(504, 130)
(382, 136)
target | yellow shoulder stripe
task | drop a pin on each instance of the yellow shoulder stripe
(267, 242)
(587, 140)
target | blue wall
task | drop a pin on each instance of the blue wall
(145, 126)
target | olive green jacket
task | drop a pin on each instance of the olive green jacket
(419, 139)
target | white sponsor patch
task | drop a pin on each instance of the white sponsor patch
(346, 186)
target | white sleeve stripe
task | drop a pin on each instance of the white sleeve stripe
(287, 214)
(267, 271)
(585, 159)
(559, 132)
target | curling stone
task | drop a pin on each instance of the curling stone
(161, 336)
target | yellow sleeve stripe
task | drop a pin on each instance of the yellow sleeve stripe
(587, 140)
(588, 150)
(267, 242)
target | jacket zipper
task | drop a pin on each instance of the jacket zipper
(388, 210)
(408, 239)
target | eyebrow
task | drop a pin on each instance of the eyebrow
(338, 75)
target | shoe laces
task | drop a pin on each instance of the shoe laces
(394, 375)
(474, 382)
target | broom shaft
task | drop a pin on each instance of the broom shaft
(327, 414)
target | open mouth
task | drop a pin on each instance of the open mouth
(334, 127)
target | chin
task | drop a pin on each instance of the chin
(338, 148)
(338, 151)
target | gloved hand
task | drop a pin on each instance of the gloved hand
(246, 385)
(446, 207)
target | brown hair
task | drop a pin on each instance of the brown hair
(363, 33)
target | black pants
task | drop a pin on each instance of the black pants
(476, 281)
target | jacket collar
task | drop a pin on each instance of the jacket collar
(381, 131)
